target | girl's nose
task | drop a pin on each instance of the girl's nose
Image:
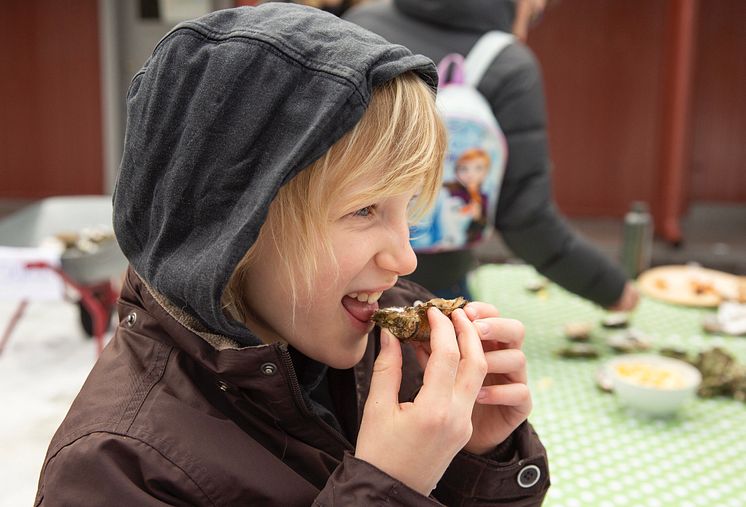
(397, 256)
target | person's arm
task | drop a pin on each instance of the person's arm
(109, 469)
(516, 473)
(527, 217)
(357, 482)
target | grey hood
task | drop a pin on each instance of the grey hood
(469, 15)
(227, 109)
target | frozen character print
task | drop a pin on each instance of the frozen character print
(472, 168)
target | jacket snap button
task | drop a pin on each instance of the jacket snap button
(528, 476)
(269, 369)
(223, 386)
(131, 319)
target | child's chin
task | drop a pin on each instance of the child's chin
(348, 360)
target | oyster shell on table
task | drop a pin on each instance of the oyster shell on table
(578, 331)
(629, 341)
(409, 323)
(578, 351)
(615, 320)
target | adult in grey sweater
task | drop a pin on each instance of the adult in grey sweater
(527, 218)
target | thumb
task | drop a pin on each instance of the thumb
(386, 379)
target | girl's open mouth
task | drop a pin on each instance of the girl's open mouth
(360, 310)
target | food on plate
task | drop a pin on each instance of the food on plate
(660, 283)
(651, 384)
(692, 285)
(702, 287)
(650, 375)
(409, 323)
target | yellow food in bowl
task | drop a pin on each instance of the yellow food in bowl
(649, 375)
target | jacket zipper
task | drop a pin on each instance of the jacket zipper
(301, 403)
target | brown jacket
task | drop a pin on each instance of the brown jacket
(172, 415)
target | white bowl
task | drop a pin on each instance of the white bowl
(653, 385)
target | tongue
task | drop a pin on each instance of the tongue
(360, 310)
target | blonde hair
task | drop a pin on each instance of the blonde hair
(400, 138)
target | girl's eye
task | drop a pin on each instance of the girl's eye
(365, 212)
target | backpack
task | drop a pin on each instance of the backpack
(463, 214)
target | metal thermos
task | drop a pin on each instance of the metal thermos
(637, 242)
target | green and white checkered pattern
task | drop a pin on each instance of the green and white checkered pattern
(600, 454)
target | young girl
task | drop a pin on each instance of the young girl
(274, 159)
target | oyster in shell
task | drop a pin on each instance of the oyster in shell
(578, 331)
(409, 323)
(615, 320)
(629, 341)
(578, 351)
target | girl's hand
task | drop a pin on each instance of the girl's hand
(504, 401)
(415, 442)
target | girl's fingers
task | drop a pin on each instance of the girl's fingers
(509, 362)
(508, 332)
(512, 395)
(479, 310)
(442, 365)
(386, 379)
(473, 367)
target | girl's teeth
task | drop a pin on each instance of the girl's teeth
(364, 297)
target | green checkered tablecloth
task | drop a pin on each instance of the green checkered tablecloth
(600, 454)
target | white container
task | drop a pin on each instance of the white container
(653, 385)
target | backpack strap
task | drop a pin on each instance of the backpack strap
(483, 53)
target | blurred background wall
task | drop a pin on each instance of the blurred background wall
(645, 98)
(645, 101)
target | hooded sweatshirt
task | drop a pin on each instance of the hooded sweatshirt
(526, 217)
(227, 109)
(188, 407)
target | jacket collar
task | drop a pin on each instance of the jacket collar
(245, 367)
(224, 356)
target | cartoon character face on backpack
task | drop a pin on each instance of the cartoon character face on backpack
(472, 168)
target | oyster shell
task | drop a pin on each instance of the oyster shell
(578, 331)
(615, 320)
(629, 341)
(722, 374)
(409, 323)
(578, 351)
